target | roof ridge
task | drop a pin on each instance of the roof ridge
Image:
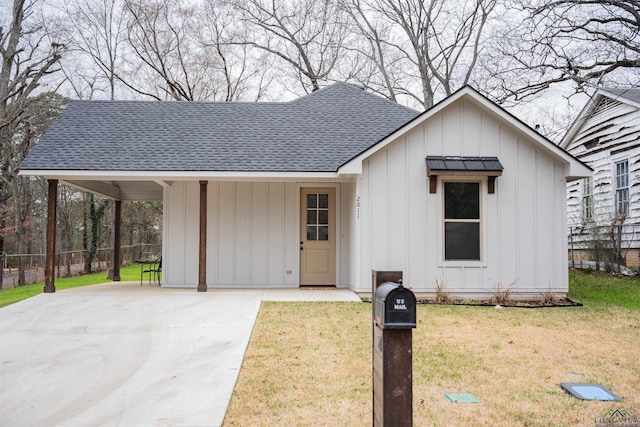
(176, 102)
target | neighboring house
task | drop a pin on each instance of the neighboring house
(604, 210)
(324, 189)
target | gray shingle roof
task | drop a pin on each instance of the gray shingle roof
(316, 133)
(633, 94)
(440, 163)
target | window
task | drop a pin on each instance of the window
(462, 221)
(318, 216)
(622, 188)
(587, 199)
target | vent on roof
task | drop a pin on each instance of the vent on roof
(591, 143)
(605, 105)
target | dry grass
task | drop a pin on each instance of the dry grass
(310, 364)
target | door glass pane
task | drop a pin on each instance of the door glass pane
(312, 217)
(323, 217)
(312, 232)
(323, 232)
(312, 200)
(462, 240)
(323, 201)
(317, 216)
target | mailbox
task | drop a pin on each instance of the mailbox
(394, 307)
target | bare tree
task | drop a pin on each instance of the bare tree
(379, 68)
(143, 222)
(580, 41)
(238, 71)
(156, 32)
(305, 36)
(26, 60)
(70, 217)
(180, 52)
(438, 43)
(95, 36)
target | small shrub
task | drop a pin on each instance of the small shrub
(548, 298)
(442, 296)
(502, 294)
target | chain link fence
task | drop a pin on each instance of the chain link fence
(613, 248)
(71, 263)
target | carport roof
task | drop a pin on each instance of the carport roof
(318, 132)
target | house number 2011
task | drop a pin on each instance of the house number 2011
(358, 207)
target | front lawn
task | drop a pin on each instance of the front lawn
(310, 363)
(589, 287)
(13, 295)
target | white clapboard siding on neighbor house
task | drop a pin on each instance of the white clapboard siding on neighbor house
(609, 134)
(400, 223)
(252, 234)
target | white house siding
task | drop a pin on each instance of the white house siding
(616, 129)
(523, 225)
(252, 234)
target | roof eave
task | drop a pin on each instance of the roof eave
(102, 175)
(577, 124)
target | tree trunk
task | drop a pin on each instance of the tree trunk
(2, 258)
(85, 235)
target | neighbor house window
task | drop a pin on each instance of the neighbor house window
(622, 187)
(461, 221)
(587, 199)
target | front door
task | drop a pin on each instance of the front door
(318, 236)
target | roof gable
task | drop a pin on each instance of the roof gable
(315, 133)
(600, 102)
(467, 93)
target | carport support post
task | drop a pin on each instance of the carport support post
(202, 256)
(50, 262)
(116, 241)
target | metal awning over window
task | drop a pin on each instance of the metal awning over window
(469, 166)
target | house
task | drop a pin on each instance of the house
(326, 188)
(604, 210)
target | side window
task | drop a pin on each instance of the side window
(461, 221)
(621, 182)
(587, 199)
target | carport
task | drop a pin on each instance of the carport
(123, 189)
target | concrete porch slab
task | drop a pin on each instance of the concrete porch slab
(312, 294)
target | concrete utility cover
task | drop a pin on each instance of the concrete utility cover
(462, 398)
(588, 391)
(122, 354)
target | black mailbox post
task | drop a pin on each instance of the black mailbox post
(394, 317)
(395, 307)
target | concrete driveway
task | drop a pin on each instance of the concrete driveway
(127, 355)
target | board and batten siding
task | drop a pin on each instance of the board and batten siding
(610, 135)
(252, 234)
(523, 227)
